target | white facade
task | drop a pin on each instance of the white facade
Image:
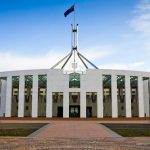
(91, 99)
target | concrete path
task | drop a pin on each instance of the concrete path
(72, 129)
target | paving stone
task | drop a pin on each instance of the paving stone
(72, 135)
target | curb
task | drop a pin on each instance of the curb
(38, 131)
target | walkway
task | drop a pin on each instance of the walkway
(72, 129)
(72, 135)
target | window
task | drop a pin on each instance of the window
(45, 99)
(17, 98)
(122, 99)
(55, 98)
(74, 98)
(27, 99)
(27, 108)
(94, 97)
(74, 80)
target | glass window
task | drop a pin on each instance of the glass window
(74, 80)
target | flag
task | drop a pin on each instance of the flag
(69, 11)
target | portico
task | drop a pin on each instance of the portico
(100, 94)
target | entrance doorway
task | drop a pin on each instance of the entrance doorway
(74, 104)
(74, 111)
(59, 111)
(89, 111)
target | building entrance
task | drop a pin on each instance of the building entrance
(59, 111)
(74, 111)
(88, 111)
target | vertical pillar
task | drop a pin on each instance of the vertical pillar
(128, 96)
(21, 96)
(8, 96)
(140, 97)
(114, 96)
(83, 104)
(66, 104)
(3, 96)
(100, 99)
(35, 96)
(48, 98)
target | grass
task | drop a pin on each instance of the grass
(130, 129)
(19, 129)
(16, 132)
(133, 133)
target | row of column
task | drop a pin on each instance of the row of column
(82, 98)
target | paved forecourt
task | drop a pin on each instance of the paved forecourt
(73, 129)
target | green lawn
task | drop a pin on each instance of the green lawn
(19, 129)
(132, 133)
(129, 129)
(16, 132)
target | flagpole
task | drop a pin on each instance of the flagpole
(74, 38)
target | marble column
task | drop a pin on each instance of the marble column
(21, 96)
(8, 96)
(3, 97)
(83, 104)
(66, 104)
(140, 96)
(48, 98)
(128, 96)
(100, 99)
(35, 97)
(114, 96)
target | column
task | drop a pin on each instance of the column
(100, 99)
(114, 96)
(3, 96)
(66, 104)
(35, 96)
(140, 96)
(21, 96)
(8, 96)
(128, 96)
(48, 98)
(83, 104)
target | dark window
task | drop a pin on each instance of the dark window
(17, 98)
(122, 99)
(94, 97)
(132, 99)
(45, 99)
(27, 99)
(74, 80)
(55, 98)
(74, 98)
(27, 108)
(104, 99)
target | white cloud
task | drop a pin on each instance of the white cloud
(13, 61)
(141, 20)
(131, 66)
(97, 52)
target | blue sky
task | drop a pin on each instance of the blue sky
(113, 34)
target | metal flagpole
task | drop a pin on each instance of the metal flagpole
(74, 29)
(74, 46)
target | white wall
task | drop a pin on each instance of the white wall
(59, 82)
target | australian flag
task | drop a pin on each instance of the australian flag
(69, 11)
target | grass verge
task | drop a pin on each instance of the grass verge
(16, 132)
(19, 129)
(132, 133)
